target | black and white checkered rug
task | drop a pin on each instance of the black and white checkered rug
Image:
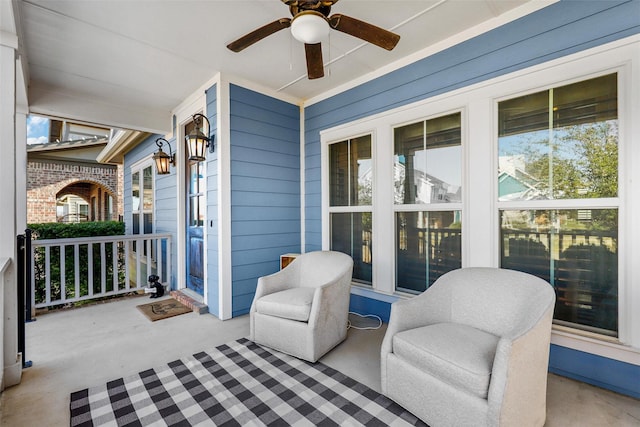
(237, 384)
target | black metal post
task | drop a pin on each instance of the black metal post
(21, 285)
(28, 265)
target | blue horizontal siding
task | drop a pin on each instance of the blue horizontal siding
(273, 199)
(265, 188)
(600, 371)
(241, 304)
(263, 241)
(260, 156)
(249, 126)
(259, 170)
(253, 271)
(368, 306)
(266, 213)
(254, 227)
(266, 185)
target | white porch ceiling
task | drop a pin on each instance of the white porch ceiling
(128, 63)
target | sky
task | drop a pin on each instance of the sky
(37, 130)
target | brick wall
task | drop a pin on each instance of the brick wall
(47, 180)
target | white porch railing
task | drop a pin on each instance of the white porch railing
(77, 269)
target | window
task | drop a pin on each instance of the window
(142, 199)
(557, 193)
(196, 194)
(427, 189)
(350, 202)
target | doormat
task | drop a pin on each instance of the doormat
(162, 309)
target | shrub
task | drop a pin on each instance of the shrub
(57, 230)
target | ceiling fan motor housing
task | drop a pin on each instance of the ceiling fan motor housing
(310, 27)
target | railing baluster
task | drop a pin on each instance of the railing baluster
(47, 275)
(138, 263)
(33, 274)
(63, 283)
(149, 259)
(76, 272)
(114, 255)
(127, 264)
(103, 268)
(159, 259)
(168, 261)
(90, 267)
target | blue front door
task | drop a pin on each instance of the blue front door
(195, 224)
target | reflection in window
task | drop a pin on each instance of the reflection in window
(428, 175)
(147, 185)
(350, 173)
(428, 245)
(427, 161)
(575, 250)
(135, 191)
(351, 234)
(561, 143)
(196, 194)
(196, 211)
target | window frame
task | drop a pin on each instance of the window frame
(557, 204)
(352, 208)
(139, 167)
(433, 206)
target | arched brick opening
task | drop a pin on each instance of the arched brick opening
(47, 182)
(100, 202)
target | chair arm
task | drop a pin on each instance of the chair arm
(422, 310)
(519, 375)
(276, 282)
(330, 301)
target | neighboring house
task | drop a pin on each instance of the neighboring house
(65, 183)
(72, 208)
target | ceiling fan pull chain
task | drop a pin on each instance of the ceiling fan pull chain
(329, 62)
(290, 52)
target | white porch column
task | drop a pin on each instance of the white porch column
(21, 170)
(11, 362)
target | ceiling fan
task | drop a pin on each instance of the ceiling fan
(310, 24)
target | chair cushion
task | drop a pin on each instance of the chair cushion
(457, 354)
(294, 304)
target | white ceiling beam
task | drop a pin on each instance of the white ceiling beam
(51, 102)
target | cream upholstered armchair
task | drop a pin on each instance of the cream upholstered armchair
(303, 309)
(472, 350)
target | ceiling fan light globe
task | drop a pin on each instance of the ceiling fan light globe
(310, 27)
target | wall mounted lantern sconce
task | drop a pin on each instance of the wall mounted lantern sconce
(162, 159)
(198, 140)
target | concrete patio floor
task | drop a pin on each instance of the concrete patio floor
(78, 348)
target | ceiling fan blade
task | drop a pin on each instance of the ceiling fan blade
(257, 35)
(315, 65)
(365, 31)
